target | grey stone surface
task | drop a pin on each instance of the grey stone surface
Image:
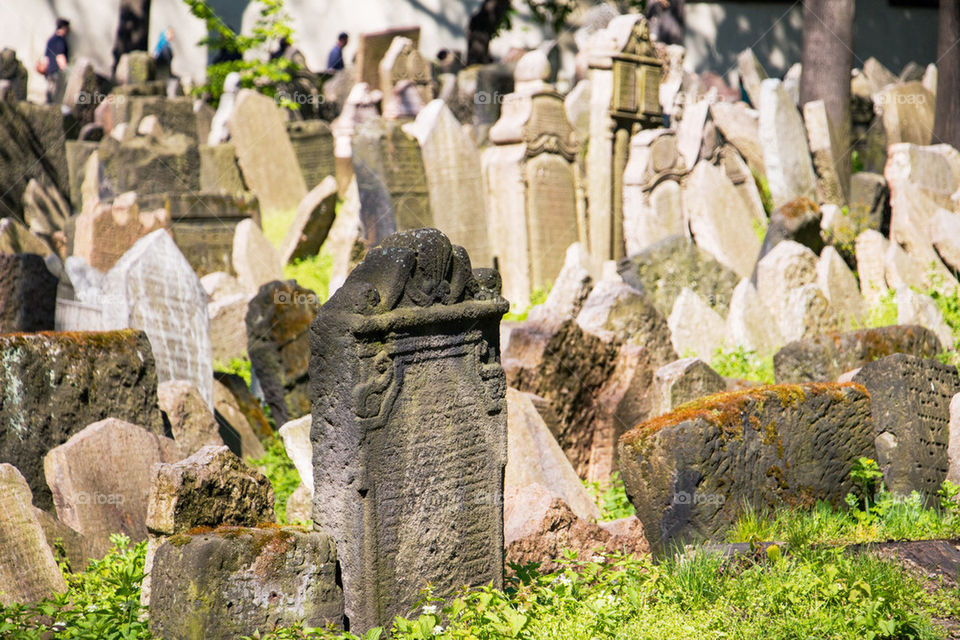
(254, 259)
(236, 581)
(823, 358)
(58, 383)
(28, 294)
(695, 329)
(408, 392)
(28, 568)
(910, 402)
(101, 478)
(664, 269)
(682, 381)
(312, 223)
(191, 419)
(689, 473)
(786, 154)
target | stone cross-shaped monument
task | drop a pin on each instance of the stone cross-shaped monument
(409, 425)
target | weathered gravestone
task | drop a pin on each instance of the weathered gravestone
(28, 568)
(312, 223)
(831, 164)
(752, 75)
(153, 288)
(265, 154)
(652, 207)
(373, 46)
(910, 402)
(749, 323)
(454, 180)
(191, 420)
(786, 154)
(906, 111)
(689, 473)
(58, 383)
(147, 165)
(254, 258)
(277, 320)
(530, 184)
(624, 96)
(408, 394)
(28, 293)
(312, 142)
(101, 477)
(403, 63)
(824, 357)
(665, 268)
(105, 231)
(32, 142)
(681, 381)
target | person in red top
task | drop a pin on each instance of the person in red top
(55, 55)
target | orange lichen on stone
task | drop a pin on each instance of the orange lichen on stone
(727, 410)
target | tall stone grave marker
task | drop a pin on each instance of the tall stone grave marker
(403, 62)
(624, 96)
(373, 46)
(409, 425)
(652, 208)
(785, 151)
(530, 182)
(451, 162)
(910, 403)
(153, 288)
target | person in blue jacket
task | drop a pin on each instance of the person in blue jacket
(335, 59)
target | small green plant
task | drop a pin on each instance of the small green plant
(866, 473)
(764, 188)
(743, 364)
(237, 366)
(856, 161)
(612, 501)
(279, 469)
(885, 313)
(519, 314)
(249, 51)
(312, 273)
(759, 229)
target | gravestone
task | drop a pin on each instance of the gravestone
(15, 238)
(624, 74)
(823, 358)
(146, 165)
(107, 230)
(296, 442)
(839, 286)
(752, 75)
(918, 308)
(695, 328)
(786, 154)
(203, 224)
(13, 76)
(738, 125)
(910, 402)
(689, 473)
(652, 208)
(219, 171)
(683, 381)
(451, 162)
(946, 236)
(312, 142)
(254, 258)
(394, 157)
(58, 383)
(278, 318)
(749, 323)
(28, 568)
(797, 220)
(265, 154)
(153, 288)
(101, 478)
(871, 247)
(28, 293)
(220, 124)
(45, 210)
(192, 423)
(906, 111)
(403, 63)
(664, 269)
(312, 223)
(530, 184)
(719, 221)
(408, 392)
(830, 163)
(789, 266)
(373, 46)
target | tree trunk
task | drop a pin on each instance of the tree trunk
(483, 25)
(133, 29)
(946, 124)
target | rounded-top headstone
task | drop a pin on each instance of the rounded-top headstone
(533, 66)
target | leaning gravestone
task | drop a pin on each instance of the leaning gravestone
(101, 479)
(910, 402)
(312, 224)
(786, 154)
(28, 293)
(823, 358)
(689, 473)
(58, 383)
(409, 393)
(153, 288)
(28, 569)
(312, 142)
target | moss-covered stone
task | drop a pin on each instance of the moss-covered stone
(689, 472)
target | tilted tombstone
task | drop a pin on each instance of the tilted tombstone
(408, 394)
(312, 142)
(153, 288)
(910, 403)
(652, 208)
(624, 96)
(404, 63)
(454, 180)
(530, 183)
(832, 166)
(786, 153)
(312, 223)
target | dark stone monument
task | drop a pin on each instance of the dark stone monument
(28, 293)
(910, 403)
(409, 425)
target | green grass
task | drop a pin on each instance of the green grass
(279, 469)
(885, 313)
(519, 313)
(612, 501)
(764, 188)
(238, 366)
(275, 225)
(743, 364)
(312, 273)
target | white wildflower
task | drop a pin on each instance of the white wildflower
(429, 609)
(437, 630)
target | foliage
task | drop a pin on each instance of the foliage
(237, 366)
(312, 273)
(101, 603)
(885, 313)
(948, 301)
(272, 25)
(519, 314)
(743, 364)
(856, 162)
(279, 469)
(759, 229)
(866, 473)
(764, 188)
(612, 501)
